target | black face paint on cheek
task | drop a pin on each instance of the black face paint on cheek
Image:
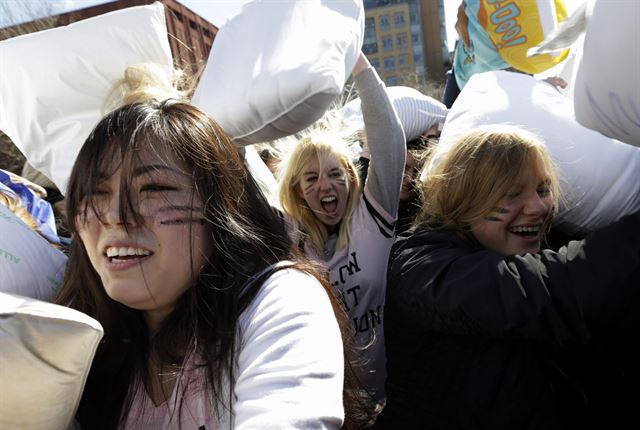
(308, 188)
(179, 215)
(495, 218)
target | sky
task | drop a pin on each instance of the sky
(215, 11)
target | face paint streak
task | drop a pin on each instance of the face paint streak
(182, 221)
(502, 210)
(492, 218)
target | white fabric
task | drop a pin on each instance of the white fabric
(29, 265)
(54, 82)
(45, 355)
(600, 176)
(606, 92)
(358, 274)
(290, 362)
(275, 67)
(416, 111)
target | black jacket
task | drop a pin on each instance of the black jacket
(476, 340)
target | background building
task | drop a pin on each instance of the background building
(405, 40)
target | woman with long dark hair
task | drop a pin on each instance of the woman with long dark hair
(211, 318)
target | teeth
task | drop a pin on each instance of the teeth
(124, 251)
(328, 199)
(525, 229)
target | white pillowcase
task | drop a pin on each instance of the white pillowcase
(29, 265)
(606, 92)
(275, 67)
(599, 174)
(54, 82)
(416, 111)
(46, 353)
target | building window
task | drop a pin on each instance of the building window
(375, 62)
(403, 60)
(370, 43)
(398, 20)
(387, 43)
(389, 63)
(392, 80)
(415, 38)
(401, 40)
(385, 23)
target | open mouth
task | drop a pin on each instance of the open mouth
(119, 255)
(329, 204)
(526, 230)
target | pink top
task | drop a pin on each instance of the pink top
(191, 410)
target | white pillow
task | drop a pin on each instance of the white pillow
(45, 356)
(416, 111)
(54, 82)
(606, 92)
(600, 176)
(29, 265)
(275, 67)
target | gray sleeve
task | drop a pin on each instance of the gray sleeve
(385, 139)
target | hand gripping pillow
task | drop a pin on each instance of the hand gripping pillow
(416, 111)
(600, 176)
(46, 353)
(275, 67)
(606, 92)
(54, 82)
(29, 265)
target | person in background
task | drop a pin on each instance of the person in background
(349, 228)
(211, 318)
(480, 319)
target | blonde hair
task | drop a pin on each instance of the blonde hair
(318, 147)
(146, 82)
(470, 180)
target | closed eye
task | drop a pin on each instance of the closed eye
(543, 191)
(153, 187)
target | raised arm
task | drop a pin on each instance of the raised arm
(385, 137)
(554, 296)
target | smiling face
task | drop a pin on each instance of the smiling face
(324, 187)
(518, 225)
(148, 265)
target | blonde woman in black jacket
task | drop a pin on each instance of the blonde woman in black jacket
(481, 321)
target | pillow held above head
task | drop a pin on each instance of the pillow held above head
(54, 82)
(416, 111)
(606, 93)
(275, 67)
(46, 354)
(599, 175)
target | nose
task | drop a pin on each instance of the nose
(324, 182)
(536, 205)
(111, 215)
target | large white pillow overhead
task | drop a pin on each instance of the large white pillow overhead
(45, 356)
(275, 67)
(600, 176)
(606, 92)
(417, 112)
(29, 265)
(54, 82)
